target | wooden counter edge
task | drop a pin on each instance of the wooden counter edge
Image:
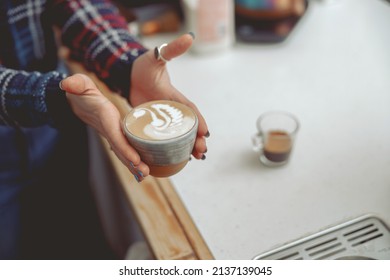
(174, 221)
(197, 242)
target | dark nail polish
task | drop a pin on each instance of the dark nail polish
(156, 52)
(140, 174)
(203, 157)
(207, 134)
(136, 177)
(190, 159)
(60, 86)
(205, 151)
(192, 35)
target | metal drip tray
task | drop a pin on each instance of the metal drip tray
(366, 237)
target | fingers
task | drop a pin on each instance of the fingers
(299, 7)
(172, 50)
(200, 148)
(178, 46)
(203, 130)
(77, 84)
(139, 169)
(97, 111)
(124, 151)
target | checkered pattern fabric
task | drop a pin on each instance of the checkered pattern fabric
(93, 31)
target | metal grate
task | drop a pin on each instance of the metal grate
(366, 237)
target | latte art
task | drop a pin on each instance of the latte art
(163, 133)
(160, 121)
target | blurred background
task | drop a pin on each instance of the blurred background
(253, 20)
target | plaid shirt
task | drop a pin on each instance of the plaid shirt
(92, 30)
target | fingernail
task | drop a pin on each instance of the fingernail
(203, 157)
(192, 35)
(205, 151)
(190, 159)
(207, 135)
(140, 174)
(60, 85)
(156, 52)
(136, 177)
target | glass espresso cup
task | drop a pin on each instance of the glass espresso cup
(163, 133)
(275, 137)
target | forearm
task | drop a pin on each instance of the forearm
(98, 37)
(30, 99)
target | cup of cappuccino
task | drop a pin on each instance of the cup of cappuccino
(274, 140)
(163, 132)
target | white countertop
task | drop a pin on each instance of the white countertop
(333, 73)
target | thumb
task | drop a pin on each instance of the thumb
(178, 46)
(77, 84)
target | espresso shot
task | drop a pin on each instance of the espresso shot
(274, 140)
(278, 146)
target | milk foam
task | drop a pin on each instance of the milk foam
(161, 121)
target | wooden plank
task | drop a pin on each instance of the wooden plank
(167, 226)
(193, 235)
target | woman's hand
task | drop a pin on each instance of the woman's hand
(150, 81)
(93, 108)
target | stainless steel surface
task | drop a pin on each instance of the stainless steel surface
(366, 237)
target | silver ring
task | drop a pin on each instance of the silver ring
(157, 53)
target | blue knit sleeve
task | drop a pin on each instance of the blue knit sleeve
(30, 99)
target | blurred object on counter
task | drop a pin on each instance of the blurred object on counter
(212, 21)
(143, 3)
(169, 21)
(150, 17)
(267, 20)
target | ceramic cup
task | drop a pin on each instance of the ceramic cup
(163, 133)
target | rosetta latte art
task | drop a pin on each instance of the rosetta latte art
(166, 121)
